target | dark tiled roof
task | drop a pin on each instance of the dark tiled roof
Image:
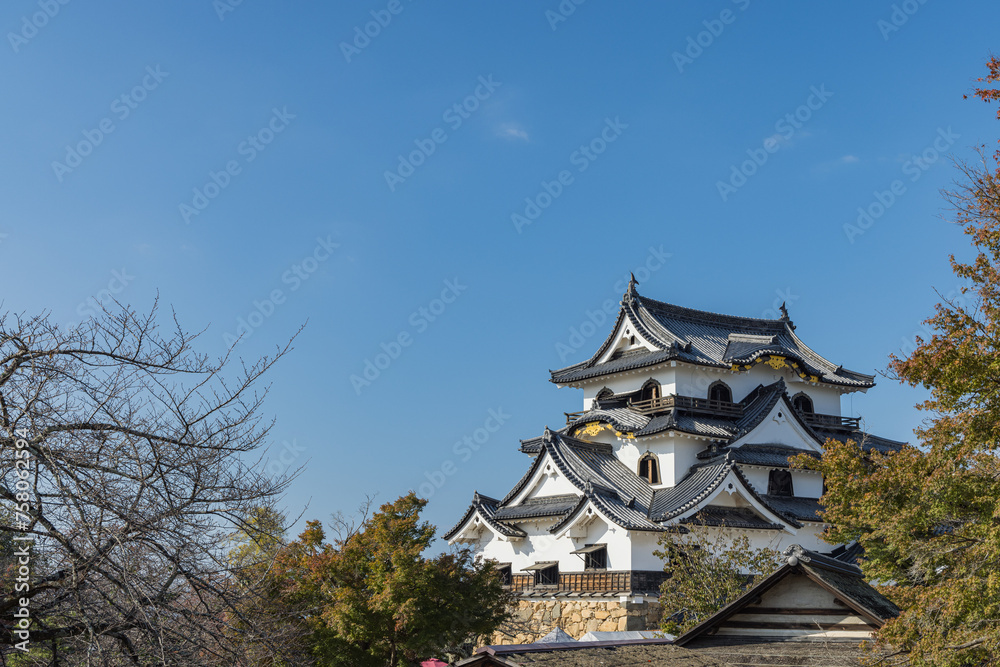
(803, 509)
(486, 507)
(849, 582)
(700, 482)
(623, 419)
(867, 441)
(849, 553)
(774, 456)
(613, 488)
(845, 579)
(706, 338)
(531, 445)
(696, 424)
(730, 517)
(538, 507)
(625, 362)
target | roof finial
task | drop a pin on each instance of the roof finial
(784, 316)
(631, 292)
(547, 436)
(795, 554)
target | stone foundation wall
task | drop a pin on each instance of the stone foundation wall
(535, 618)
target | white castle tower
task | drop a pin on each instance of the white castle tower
(688, 417)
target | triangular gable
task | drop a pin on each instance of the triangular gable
(577, 522)
(621, 339)
(547, 479)
(796, 601)
(479, 517)
(782, 425)
(735, 483)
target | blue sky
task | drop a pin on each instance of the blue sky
(234, 157)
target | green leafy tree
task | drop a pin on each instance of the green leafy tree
(708, 570)
(371, 599)
(256, 541)
(929, 516)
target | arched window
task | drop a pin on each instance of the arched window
(650, 390)
(604, 393)
(802, 403)
(649, 468)
(720, 391)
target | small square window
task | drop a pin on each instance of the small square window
(596, 560)
(547, 577)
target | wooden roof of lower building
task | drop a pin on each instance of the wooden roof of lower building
(862, 608)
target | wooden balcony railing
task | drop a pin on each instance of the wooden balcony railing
(833, 421)
(722, 408)
(595, 581)
(707, 405)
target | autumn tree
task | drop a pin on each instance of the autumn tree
(929, 516)
(370, 598)
(126, 456)
(708, 568)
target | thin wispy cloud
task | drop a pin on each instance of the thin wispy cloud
(512, 132)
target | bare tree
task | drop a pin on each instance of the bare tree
(126, 457)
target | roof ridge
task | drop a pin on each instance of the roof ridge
(684, 312)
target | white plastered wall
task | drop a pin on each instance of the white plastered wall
(542, 545)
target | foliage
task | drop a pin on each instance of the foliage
(127, 455)
(256, 541)
(370, 598)
(251, 555)
(708, 569)
(929, 517)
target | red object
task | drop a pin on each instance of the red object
(433, 663)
